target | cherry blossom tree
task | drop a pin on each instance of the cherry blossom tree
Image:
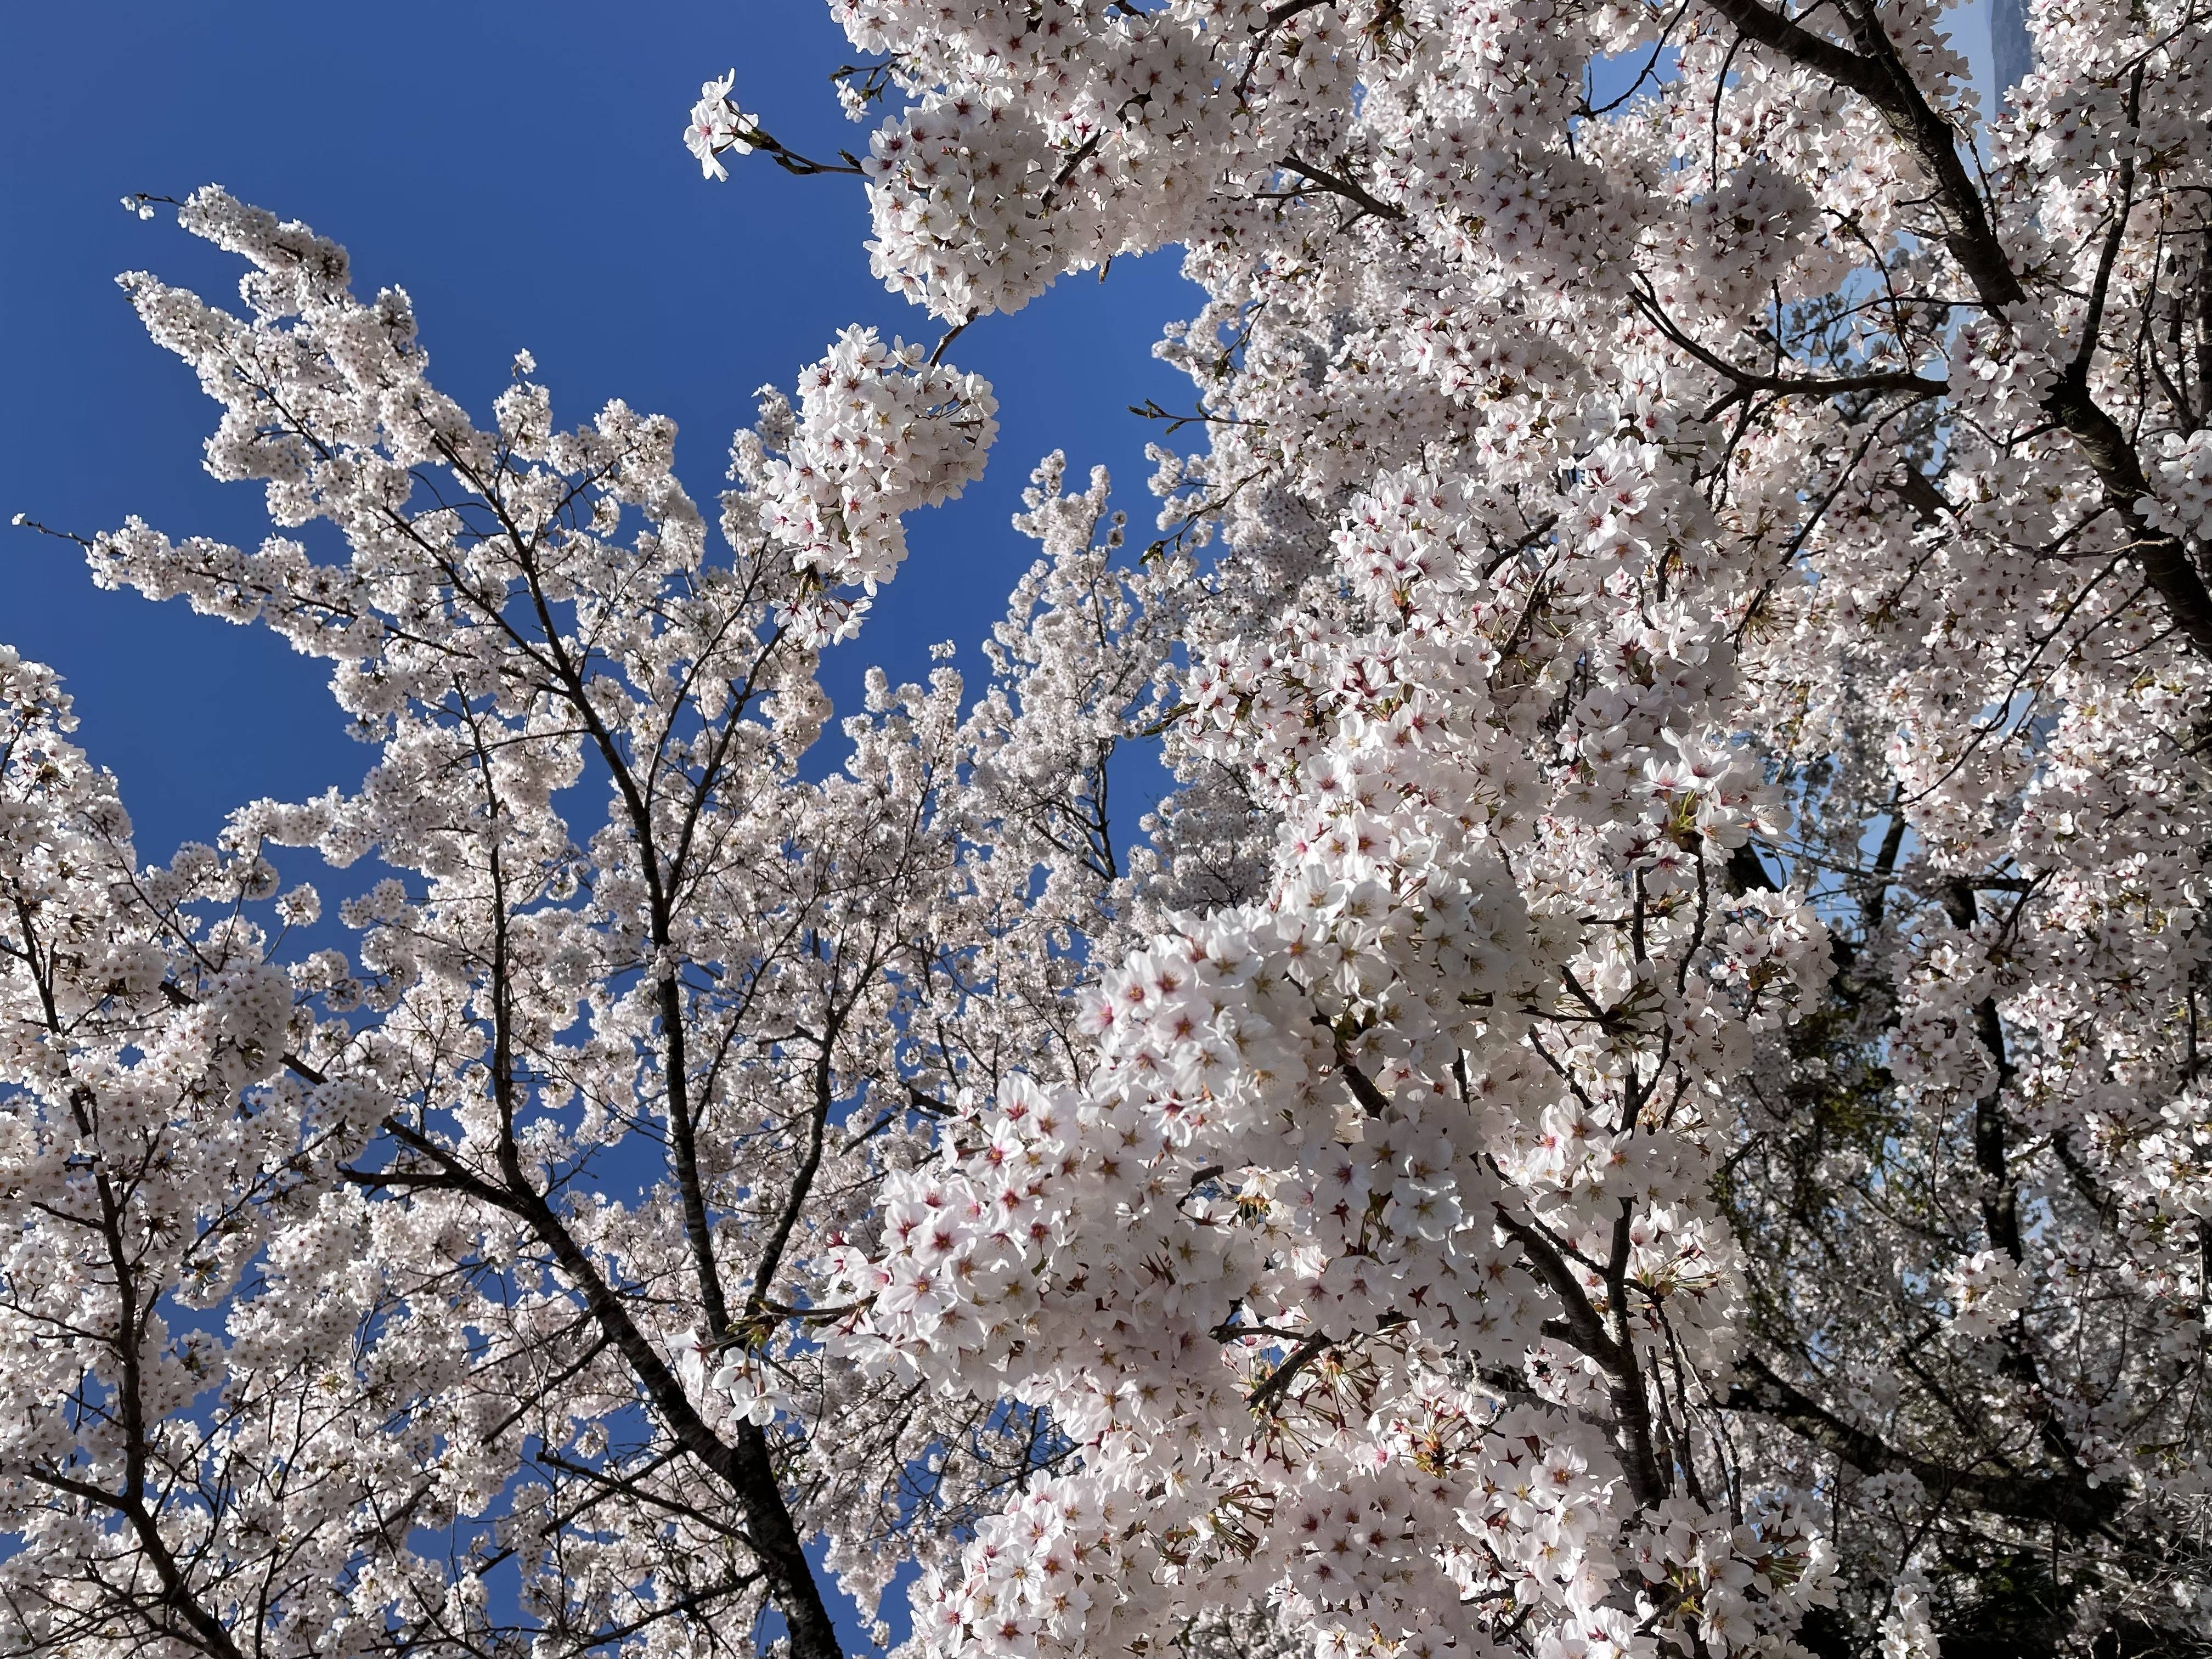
(340, 1282)
(1640, 1095)
(1697, 708)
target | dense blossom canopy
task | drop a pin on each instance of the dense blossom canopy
(1641, 1096)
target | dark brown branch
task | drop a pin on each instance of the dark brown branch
(802, 1182)
(133, 1311)
(792, 161)
(208, 1633)
(1745, 381)
(1372, 1100)
(1336, 184)
(1582, 1329)
(2070, 1502)
(1081, 154)
(1876, 73)
(1310, 1348)
(2000, 1199)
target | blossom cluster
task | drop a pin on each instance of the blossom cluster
(878, 432)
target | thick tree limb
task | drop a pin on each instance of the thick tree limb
(1581, 1329)
(2070, 1501)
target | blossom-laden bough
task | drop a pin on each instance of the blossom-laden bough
(1693, 761)
(470, 1283)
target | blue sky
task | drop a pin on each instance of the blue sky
(519, 170)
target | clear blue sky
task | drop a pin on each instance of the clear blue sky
(519, 170)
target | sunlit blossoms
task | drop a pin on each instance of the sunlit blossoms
(1691, 822)
(878, 432)
(344, 1279)
(718, 127)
